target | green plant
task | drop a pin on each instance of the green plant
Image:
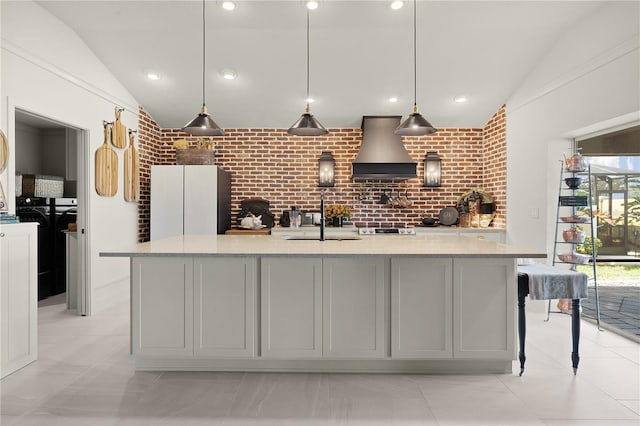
(337, 210)
(585, 248)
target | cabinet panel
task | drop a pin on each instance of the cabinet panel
(421, 308)
(353, 307)
(225, 306)
(162, 294)
(18, 295)
(200, 200)
(291, 293)
(484, 292)
(167, 201)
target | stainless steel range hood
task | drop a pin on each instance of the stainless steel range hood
(382, 154)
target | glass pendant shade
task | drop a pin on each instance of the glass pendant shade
(307, 125)
(203, 125)
(415, 125)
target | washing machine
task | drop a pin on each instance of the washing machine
(37, 209)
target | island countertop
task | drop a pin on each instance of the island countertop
(276, 245)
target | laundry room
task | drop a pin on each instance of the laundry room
(46, 193)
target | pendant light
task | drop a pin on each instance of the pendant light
(415, 124)
(307, 125)
(203, 124)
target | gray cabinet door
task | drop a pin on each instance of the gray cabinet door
(354, 307)
(421, 308)
(291, 307)
(225, 306)
(484, 303)
(162, 298)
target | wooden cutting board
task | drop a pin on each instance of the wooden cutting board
(131, 171)
(119, 131)
(106, 166)
(4, 151)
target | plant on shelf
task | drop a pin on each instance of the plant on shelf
(585, 248)
(337, 210)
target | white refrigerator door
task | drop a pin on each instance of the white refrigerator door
(200, 200)
(167, 201)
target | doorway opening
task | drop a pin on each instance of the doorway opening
(50, 189)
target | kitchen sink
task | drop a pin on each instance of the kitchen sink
(317, 238)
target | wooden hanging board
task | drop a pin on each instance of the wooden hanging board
(106, 166)
(119, 131)
(131, 171)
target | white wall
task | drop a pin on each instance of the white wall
(590, 78)
(48, 70)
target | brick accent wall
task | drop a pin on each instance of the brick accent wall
(148, 143)
(282, 168)
(494, 170)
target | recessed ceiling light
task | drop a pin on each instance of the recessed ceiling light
(312, 5)
(393, 99)
(228, 74)
(396, 4)
(310, 100)
(229, 5)
(461, 99)
(152, 75)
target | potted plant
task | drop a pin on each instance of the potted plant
(337, 213)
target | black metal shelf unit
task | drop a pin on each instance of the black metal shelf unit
(570, 199)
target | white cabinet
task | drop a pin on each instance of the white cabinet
(18, 295)
(225, 307)
(484, 302)
(189, 200)
(291, 306)
(421, 308)
(162, 294)
(354, 307)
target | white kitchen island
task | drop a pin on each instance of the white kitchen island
(379, 303)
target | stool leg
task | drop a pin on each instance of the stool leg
(522, 332)
(575, 333)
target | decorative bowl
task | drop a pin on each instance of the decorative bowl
(573, 182)
(428, 221)
(574, 219)
(574, 258)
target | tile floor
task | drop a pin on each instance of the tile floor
(84, 376)
(619, 307)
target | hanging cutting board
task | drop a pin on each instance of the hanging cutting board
(4, 159)
(4, 151)
(119, 131)
(106, 166)
(131, 171)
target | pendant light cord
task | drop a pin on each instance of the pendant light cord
(415, 54)
(204, 51)
(307, 99)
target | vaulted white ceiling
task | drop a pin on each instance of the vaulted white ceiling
(361, 54)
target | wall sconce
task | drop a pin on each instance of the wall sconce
(432, 170)
(326, 169)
